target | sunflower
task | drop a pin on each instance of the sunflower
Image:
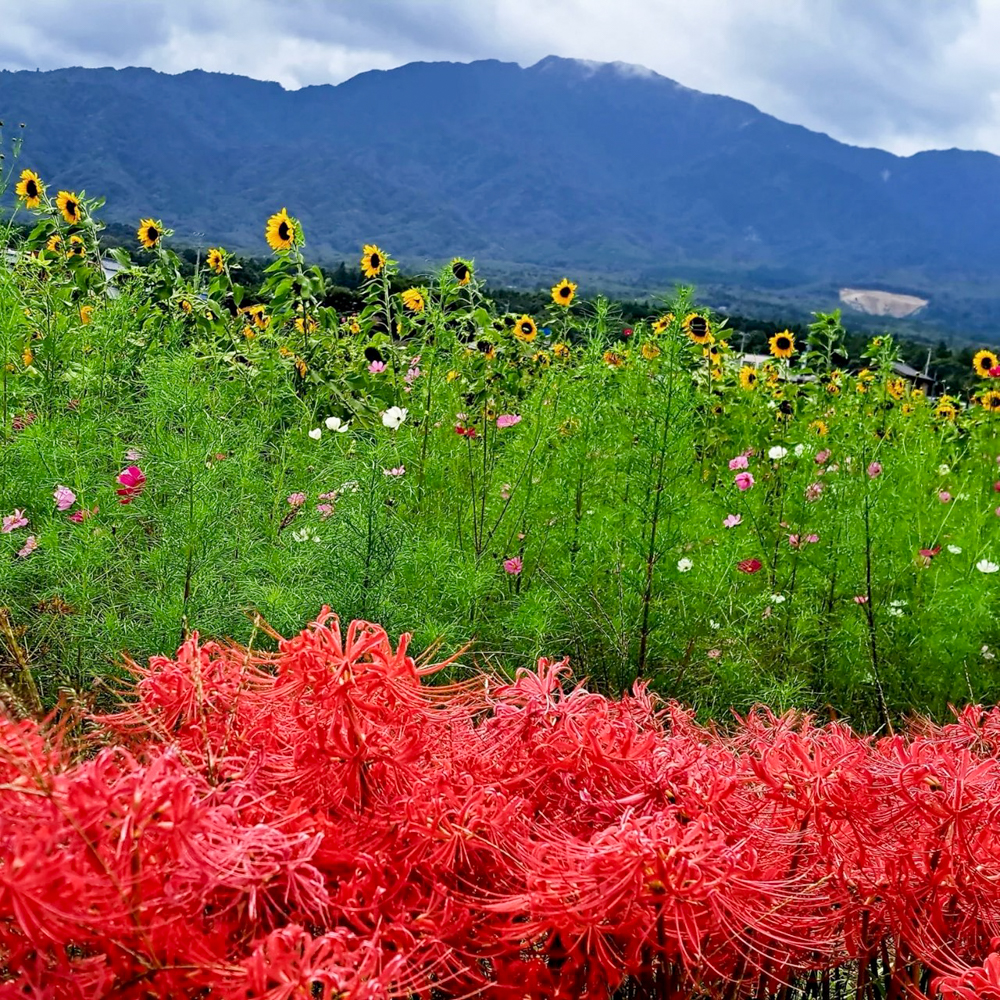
(69, 205)
(990, 401)
(698, 328)
(452, 375)
(149, 233)
(281, 231)
(819, 428)
(54, 244)
(306, 324)
(525, 329)
(372, 261)
(896, 387)
(613, 358)
(984, 362)
(562, 294)
(782, 344)
(30, 189)
(748, 377)
(946, 408)
(461, 271)
(650, 351)
(185, 307)
(661, 325)
(86, 314)
(542, 358)
(216, 260)
(561, 351)
(76, 247)
(413, 299)
(907, 409)
(712, 353)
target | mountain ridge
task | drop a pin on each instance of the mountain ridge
(601, 168)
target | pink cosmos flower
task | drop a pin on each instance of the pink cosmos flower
(812, 539)
(861, 599)
(296, 499)
(744, 480)
(332, 495)
(133, 455)
(505, 491)
(513, 566)
(822, 456)
(731, 520)
(714, 654)
(749, 565)
(22, 420)
(412, 374)
(82, 514)
(814, 491)
(14, 521)
(376, 367)
(793, 540)
(64, 497)
(325, 509)
(30, 544)
(400, 470)
(132, 479)
(874, 470)
(740, 462)
(944, 496)
(507, 420)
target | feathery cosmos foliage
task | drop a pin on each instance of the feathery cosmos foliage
(321, 822)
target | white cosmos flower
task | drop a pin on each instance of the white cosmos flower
(393, 417)
(799, 449)
(943, 470)
(776, 453)
(714, 624)
(778, 598)
(316, 433)
(336, 424)
(985, 566)
(306, 535)
(955, 550)
(896, 612)
(684, 565)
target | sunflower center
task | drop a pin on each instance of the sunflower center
(525, 328)
(565, 292)
(460, 271)
(374, 260)
(32, 188)
(784, 343)
(284, 233)
(698, 325)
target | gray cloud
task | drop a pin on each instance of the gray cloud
(903, 74)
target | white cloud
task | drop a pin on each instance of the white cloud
(903, 74)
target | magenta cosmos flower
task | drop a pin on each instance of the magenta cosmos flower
(64, 497)
(14, 521)
(513, 566)
(740, 462)
(744, 480)
(507, 420)
(874, 470)
(731, 520)
(132, 479)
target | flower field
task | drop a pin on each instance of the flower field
(182, 450)
(324, 822)
(331, 816)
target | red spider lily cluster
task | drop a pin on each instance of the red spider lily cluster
(323, 822)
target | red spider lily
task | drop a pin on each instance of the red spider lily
(322, 821)
(132, 479)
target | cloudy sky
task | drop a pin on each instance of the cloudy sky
(901, 74)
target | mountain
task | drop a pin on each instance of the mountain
(566, 166)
